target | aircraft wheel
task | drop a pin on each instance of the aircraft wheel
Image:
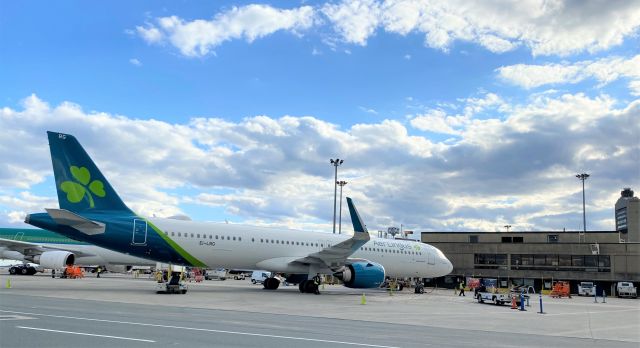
(13, 270)
(271, 283)
(310, 287)
(23, 271)
(419, 289)
(31, 270)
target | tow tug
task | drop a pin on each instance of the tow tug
(175, 285)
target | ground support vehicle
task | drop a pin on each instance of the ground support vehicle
(174, 286)
(72, 272)
(258, 277)
(560, 289)
(219, 273)
(22, 270)
(626, 289)
(585, 289)
(495, 297)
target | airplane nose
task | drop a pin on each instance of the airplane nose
(449, 266)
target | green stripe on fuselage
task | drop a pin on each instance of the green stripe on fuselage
(183, 253)
(31, 235)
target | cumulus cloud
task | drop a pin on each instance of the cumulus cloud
(438, 121)
(199, 37)
(545, 27)
(517, 168)
(604, 70)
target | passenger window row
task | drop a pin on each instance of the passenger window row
(205, 236)
(262, 240)
(392, 251)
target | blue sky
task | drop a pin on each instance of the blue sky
(251, 99)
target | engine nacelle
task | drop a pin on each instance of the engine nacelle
(362, 274)
(11, 255)
(118, 268)
(55, 259)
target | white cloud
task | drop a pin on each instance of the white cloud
(634, 87)
(199, 37)
(516, 168)
(438, 121)
(150, 34)
(135, 61)
(545, 27)
(604, 70)
(354, 20)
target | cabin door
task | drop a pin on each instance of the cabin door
(139, 232)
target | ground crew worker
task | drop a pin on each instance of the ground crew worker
(98, 272)
(317, 281)
(461, 289)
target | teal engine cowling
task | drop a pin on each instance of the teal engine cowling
(362, 274)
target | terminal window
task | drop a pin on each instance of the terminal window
(473, 239)
(561, 262)
(552, 238)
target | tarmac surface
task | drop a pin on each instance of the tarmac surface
(37, 311)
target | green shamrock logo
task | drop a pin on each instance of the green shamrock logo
(417, 247)
(76, 190)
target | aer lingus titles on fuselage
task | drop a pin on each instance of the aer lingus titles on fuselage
(91, 211)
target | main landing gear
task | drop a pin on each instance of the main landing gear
(271, 283)
(307, 286)
(419, 288)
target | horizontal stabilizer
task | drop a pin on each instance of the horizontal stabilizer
(67, 218)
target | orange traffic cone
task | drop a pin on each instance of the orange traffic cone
(513, 303)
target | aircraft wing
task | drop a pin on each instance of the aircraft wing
(27, 248)
(336, 256)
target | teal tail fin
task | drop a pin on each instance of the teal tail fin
(80, 185)
(358, 225)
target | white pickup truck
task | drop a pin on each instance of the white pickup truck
(626, 289)
(585, 289)
(500, 298)
(496, 297)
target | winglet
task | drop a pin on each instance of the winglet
(358, 225)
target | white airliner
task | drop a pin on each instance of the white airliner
(91, 211)
(36, 246)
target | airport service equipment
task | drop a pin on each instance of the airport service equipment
(585, 289)
(175, 285)
(23, 270)
(258, 277)
(495, 297)
(626, 289)
(218, 273)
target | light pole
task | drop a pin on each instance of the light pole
(507, 227)
(583, 177)
(341, 183)
(335, 162)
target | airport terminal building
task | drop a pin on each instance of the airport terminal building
(541, 257)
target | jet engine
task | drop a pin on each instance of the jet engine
(362, 274)
(55, 259)
(11, 255)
